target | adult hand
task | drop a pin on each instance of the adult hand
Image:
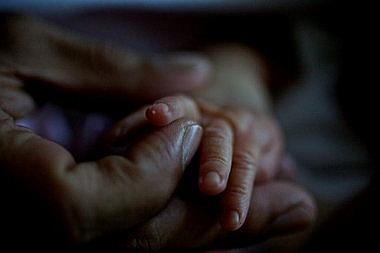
(68, 190)
(113, 193)
(35, 52)
(189, 222)
(237, 146)
(277, 208)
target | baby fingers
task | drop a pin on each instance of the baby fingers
(237, 196)
(169, 109)
(216, 156)
(270, 139)
(161, 113)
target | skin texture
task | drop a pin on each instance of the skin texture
(91, 191)
(268, 202)
(103, 186)
(109, 201)
(235, 149)
(35, 51)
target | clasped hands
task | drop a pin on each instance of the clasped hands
(129, 198)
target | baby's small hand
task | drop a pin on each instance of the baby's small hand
(237, 149)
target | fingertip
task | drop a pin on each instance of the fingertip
(159, 114)
(211, 183)
(231, 220)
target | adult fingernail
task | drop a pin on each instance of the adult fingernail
(296, 219)
(182, 63)
(190, 143)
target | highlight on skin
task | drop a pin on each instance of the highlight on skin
(230, 152)
(216, 156)
(166, 110)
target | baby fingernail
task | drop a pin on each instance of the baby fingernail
(234, 218)
(161, 107)
(190, 143)
(158, 108)
(211, 179)
(231, 220)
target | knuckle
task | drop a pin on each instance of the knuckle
(163, 144)
(118, 168)
(237, 191)
(218, 132)
(159, 149)
(238, 196)
(216, 164)
(217, 161)
(219, 123)
(244, 161)
(242, 120)
(215, 136)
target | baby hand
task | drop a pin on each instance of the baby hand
(238, 148)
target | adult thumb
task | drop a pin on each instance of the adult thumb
(118, 192)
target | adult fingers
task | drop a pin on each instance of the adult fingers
(216, 156)
(277, 208)
(98, 197)
(168, 109)
(118, 192)
(38, 52)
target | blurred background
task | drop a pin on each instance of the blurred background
(321, 58)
